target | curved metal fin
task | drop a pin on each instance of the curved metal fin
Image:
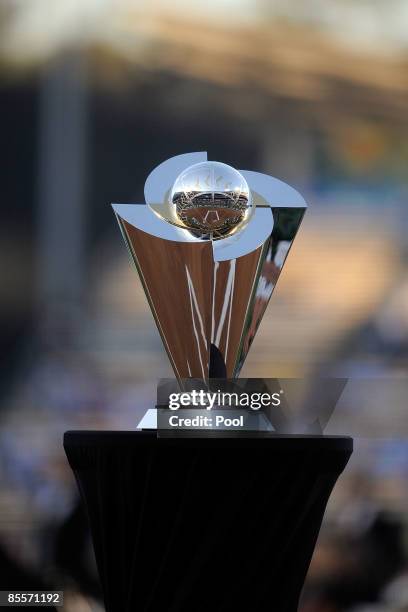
(161, 178)
(268, 190)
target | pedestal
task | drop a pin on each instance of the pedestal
(204, 524)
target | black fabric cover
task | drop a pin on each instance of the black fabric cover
(204, 524)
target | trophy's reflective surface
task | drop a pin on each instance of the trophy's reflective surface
(209, 246)
(212, 199)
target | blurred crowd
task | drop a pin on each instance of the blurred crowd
(94, 95)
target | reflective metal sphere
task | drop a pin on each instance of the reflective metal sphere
(211, 199)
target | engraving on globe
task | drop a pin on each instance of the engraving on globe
(211, 199)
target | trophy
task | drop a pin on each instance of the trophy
(209, 246)
(227, 522)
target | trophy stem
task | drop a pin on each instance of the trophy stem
(217, 367)
(211, 523)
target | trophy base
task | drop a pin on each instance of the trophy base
(204, 523)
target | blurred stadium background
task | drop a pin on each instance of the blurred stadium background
(94, 94)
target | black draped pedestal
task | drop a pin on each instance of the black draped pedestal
(204, 524)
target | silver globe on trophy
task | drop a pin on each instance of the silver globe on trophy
(209, 245)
